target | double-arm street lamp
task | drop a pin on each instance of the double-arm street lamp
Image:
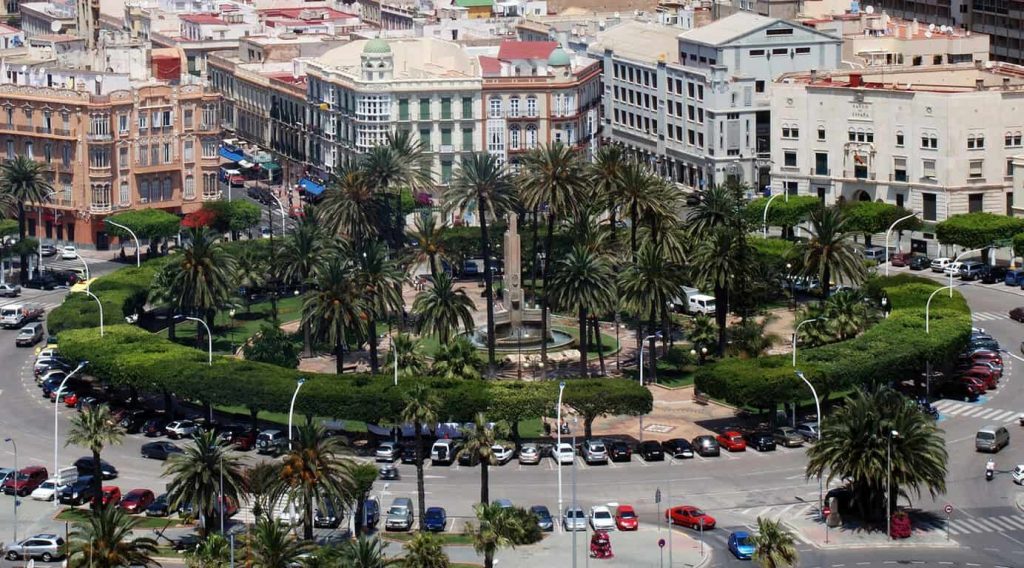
(796, 334)
(138, 256)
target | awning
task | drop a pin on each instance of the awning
(245, 164)
(230, 156)
(310, 186)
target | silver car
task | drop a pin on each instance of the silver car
(386, 452)
(529, 454)
(46, 547)
(574, 520)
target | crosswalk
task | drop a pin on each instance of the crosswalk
(953, 408)
(977, 524)
(988, 316)
(781, 512)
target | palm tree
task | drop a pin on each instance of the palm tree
(425, 551)
(847, 314)
(272, 546)
(479, 442)
(606, 178)
(163, 293)
(196, 476)
(399, 163)
(22, 181)
(261, 485)
(499, 527)
(350, 207)
(251, 270)
(482, 181)
(336, 304)
(554, 177)
(829, 252)
(95, 428)
(442, 310)
(704, 332)
(380, 280)
(366, 553)
(421, 409)
(635, 195)
(774, 545)
(457, 359)
(304, 248)
(648, 285)
(429, 237)
(105, 540)
(204, 275)
(855, 444)
(584, 283)
(719, 205)
(411, 361)
(315, 469)
(720, 256)
(750, 338)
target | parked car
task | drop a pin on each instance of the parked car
(940, 264)
(502, 454)
(137, 501)
(1018, 475)
(706, 446)
(594, 451)
(650, 450)
(920, 263)
(160, 450)
(601, 518)
(993, 274)
(156, 426)
(788, 437)
(272, 442)
(529, 454)
(47, 490)
(981, 343)
(134, 420)
(325, 515)
(46, 547)
(563, 454)
(900, 258)
(985, 380)
(1017, 314)
(110, 495)
(626, 519)
(26, 481)
(159, 507)
(400, 515)
(241, 437)
(971, 270)
(503, 503)
(371, 512)
(181, 429)
(387, 451)
(741, 545)
(958, 390)
(809, 430)
(68, 253)
(690, 516)
(435, 519)
(389, 472)
(77, 493)
(10, 290)
(619, 451)
(677, 448)
(469, 459)
(544, 520)
(732, 441)
(761, 441)
(952, 269)
(573, 519)
(85, 467)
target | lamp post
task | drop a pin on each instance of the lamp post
(764, 221)
(138, 256)
(817, 409)
(796, 334)
(15, 444)
(891, 227)
(888, 485)
(649, 337)
(98, 303)
(928, 307)
(221, 467)
(291, 411)
(957, 259)
(394, 347)
(86, 265)
(558, 444)
(792, 287)
(56, 406)
(49, 196)
(209, 339)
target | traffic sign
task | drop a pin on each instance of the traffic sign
(657, 495)
(661, 543)
(948, 508)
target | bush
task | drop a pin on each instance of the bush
(122, 294)
(977, 230)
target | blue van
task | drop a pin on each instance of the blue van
(1014, 277)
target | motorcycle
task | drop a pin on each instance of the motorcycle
(927, 408)
(600, 545)
(989, 474)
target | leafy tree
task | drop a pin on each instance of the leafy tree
(425, 551)
(106, 540)
(786, 213)
(978, 230)
(8, 227)
(23, 181)
(482, 181)
(479, 442)
(95, 428)
(774, 545)
(421, 409)
(704, 332)
(412, 363)
(583, 282)
(514, 401)
(313, 470)
(749, 338)
(203, 276)
(855, 443)
(272, 545)
(499, 527)
(870, 217)
(252, 272)
(829, 252)
(442, 310)
(380, 280)
(592, 398)
(336, 304)
(196, 477)
(272, 345)
(366, 552)
(429, 235)
(634, 195)
(232, 217)
(153, 224)
(457, 359)
(363, 476)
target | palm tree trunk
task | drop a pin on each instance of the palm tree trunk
(666, 336)
(489, 557)
(654, 350)
(584, 342)
(613, 220)
(721, 311)
(433, 266)
(339, 356)
(97, 482)
(421, 491)
(548, 245)
(23, 256)
(600, 347)
(485, 249)
(169, 404)
(374, 363)
(825, 286)
(307, 339)
(171, 330)
(484, 483)
(307, 519)
(633, 214)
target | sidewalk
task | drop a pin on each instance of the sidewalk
(812, 531)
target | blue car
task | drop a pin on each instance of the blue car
(741, 545)
(435, 519)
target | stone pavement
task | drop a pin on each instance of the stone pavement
(675, 415)
(809, 528)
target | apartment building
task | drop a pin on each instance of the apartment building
(938, 140)
(696, 104)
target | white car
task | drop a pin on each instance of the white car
(529, 454)
(601, 518)
(939, 264)
(952, 268)
(68, 253)
(563, 454)
(1018, 475)
(502, 454)
(49, 353)
(181, 429)
(47, 490)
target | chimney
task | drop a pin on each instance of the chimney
(914, 28)
(979, 84)
(814, 75)
(856, 80)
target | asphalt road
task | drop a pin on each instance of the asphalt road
(735, 488)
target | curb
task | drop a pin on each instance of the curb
(887, 544)
(703, 561)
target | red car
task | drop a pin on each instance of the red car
(732, 441)
(71, 400)
(978, 384)
(689, 516)
(982, 369)
(26, 481)
(136, 501)
(244, 441)
(984, 355)
(984, 375)
(626, 519)
(111, 494)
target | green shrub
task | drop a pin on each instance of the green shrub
(122, 294)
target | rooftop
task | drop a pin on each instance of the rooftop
(727, 29)
(639, 41)
(55, 38)
(938, 79)
(414, 58)
(511, 49)
(202, 19)
(306, 14)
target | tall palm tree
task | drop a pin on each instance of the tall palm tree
(350, 207)
(774, 545)
(554, 177)
(366, 552)
(106, 540)
(499, 527)
(95, 428)
(633, 192)
(606, 179)
(721, 256)
(482, 181)
(584, 283)
(479, 441)
(380, 280)
(398, 163)
(442, 310)
(829, 252)
(163, 293)
(251, 273)
(336, 304)
(204, 275)
(429, 236)
(412, 363)
(648, 285)
(425, 551)
(315, 469)
(196, 475)
(261, 486)
(718, 205)
(271, 545)
(22, 181)
(421, 409)
(300, 253)
(457, 359)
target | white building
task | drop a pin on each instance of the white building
(938, 140)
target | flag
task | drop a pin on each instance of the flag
(857, 158)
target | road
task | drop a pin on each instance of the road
(735, 488)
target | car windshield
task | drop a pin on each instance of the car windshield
(22, 476)
(602, 515)
(627, 514)
(598, 447)
(578, 513)
(744, 541)
(47, 485)
(396, 511)
(434, 514)
(981, 436)
(696, 513)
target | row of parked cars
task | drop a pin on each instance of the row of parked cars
(966, 270)
(979, 369)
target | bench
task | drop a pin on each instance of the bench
(700, 398)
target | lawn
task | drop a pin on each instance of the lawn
(446, 538)
(80, 516)
(229, 333)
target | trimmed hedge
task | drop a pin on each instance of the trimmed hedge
(895, 348)
(122, 293)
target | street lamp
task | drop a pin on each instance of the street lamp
(928, 306)
(817, 409)
(792, 286)
(138, 256)
(15, 444)
(56, 406)
(291, 410)
(209, 339)
(86, 265)
(891, 227)
(652, 336)
(957, 259)
(796, 334)
(558, 444)
(764, 221)
(98, 303)
(394, 347)
(888, 485)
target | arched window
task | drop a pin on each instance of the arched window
(531, 136)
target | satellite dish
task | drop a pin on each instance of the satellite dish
(55, 26)
(928, 34)
(942, 28)
(931, 27)
(870, 10)
(99, 78)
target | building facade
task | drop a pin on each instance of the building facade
(938, 141)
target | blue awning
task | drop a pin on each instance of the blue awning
(311, 186)
(229, 155)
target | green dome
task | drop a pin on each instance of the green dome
(376, 45)
(558, 58)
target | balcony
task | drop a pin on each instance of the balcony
(446, 149)
(821, 172)
(96, 137)
(100, 209)
(24, 128)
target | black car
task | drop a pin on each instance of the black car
(469, 459)
(155, 427)
(47, 250)
(761, 441)
(650, 451)
(409, 454)
(920, 263)
(78, 493)
(389, 472)
(706, 446)
(159, 508)
(985, 344)
(84, 465)
(957, 390)
(326, 515)
(134, 420)
(187, 543)
(42, 282)
(677, 448)
(160, 450)
(619, 451)
(993, 274)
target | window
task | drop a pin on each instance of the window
(789, 159)
(928, 169)
(158, 119)
(974, 170)
(531, 136)
(467, 107)
(852, 135)
(916, 61)
(10, 118)
(791, 187)
(780, 50)
(425, 139)
(1009, 167)
(975, 202)
(403, 109)
(975, 141)
(10, 149)
(48, 152)
(899, 139)
(467, 139)
(143, 121)
(531, 106)
(122, 158)
(123, 194)
(513, 137)
(790, 131)
(98, 157)
(821, 134)
(186, 118)
(210, 148)
(930, 206)
(100, 125)
(122, 123)
(65, 155)
(929, 141)
(446, 108)
(1012, 139)
(424, 109)
(779, 32)
(209, 117)
(759, 86)
(446, 136)
(899, 169)
(190, 187)
(187, 151)
(513, 107)
(936, 60)
(143, 155)
(154, 154)
(757, 53)
(821, 164)
(803, 50)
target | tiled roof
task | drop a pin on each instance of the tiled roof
(511, 49)
(490, 65)
(201, 19)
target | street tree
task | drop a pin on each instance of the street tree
(646, 286)
(443, 310)
(479, 441)
(335, 305)
(350, 207)
(605, 173)
(196, 475)
(315, 468)
(232, 217)
(721, 256)
(363, 476)
(978, 230)
(366, 552)
(94, 428)
(106, 540)
(829, 252)
(785, 212)
(261, 486)
(871, 217)
(24, 181)
(302, 250)
(272, 345)
(429, 236)
(380, 279)
(421, 409)
(412, 363)
(457, 359)
(203, 276)
(502, 527)
(774, 545)
(400, 163)
(593, 398)
(153, 224)
(633, 194)
(513, 402)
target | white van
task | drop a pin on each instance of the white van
(443, 452)
(702, 304)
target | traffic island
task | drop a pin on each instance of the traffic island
(928, 530)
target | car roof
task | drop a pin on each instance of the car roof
(539, 508)
(435, 509)
(137, 492)
(740, 534)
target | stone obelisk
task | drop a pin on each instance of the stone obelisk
(513, 273)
